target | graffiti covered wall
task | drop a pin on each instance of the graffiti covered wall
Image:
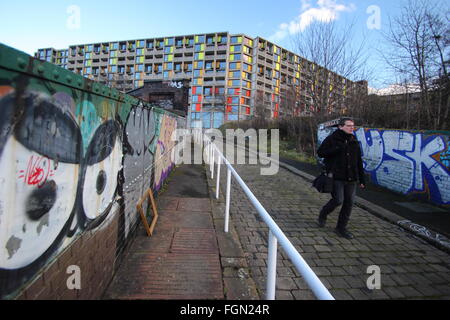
(409, 162)
(75, 158)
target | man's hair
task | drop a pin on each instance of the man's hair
(342, 121)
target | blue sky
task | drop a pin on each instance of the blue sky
(28, 25)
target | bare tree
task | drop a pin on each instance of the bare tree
(261, 112)
(332, 57)
(418, 39)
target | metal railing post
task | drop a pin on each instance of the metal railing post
(206, 152)
(212, 160)
(219, 160)
(227, 205)
(271, 267)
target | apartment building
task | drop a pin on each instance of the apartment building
(232, 76)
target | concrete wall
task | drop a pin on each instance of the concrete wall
(74, 161)
(415, 163)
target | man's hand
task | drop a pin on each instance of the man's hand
(362, 186)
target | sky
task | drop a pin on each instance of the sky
(28, 25)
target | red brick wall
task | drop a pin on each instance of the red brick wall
(93, 252)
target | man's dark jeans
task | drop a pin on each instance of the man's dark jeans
(343, 194)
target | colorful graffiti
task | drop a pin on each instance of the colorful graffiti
(407, 162)
(165, 145)
(412, 163)
(70, 161)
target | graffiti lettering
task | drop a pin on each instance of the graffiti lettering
(37, 172)
(175, 84)
(405, 162)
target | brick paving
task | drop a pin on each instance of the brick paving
(410, 268)
(180, 260)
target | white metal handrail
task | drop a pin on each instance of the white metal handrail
(275, 233)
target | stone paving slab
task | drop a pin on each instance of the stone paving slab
(410, 268)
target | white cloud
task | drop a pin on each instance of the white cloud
(326, 11)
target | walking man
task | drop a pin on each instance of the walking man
(342, 157)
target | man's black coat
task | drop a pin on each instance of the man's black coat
(342, 156)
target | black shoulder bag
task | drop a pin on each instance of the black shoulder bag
(323, 183)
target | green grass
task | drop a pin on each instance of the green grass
(288, 151)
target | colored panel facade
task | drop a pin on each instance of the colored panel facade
(252, 71)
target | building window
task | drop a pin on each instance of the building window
(198, 65)
(199, 47)
(195, 115)
(234, 91)
(206, 119)
(220, 65)
(199, 56)
(235, 57)
(218, 119)
(219, 90)
(197, 81)
(247, 67)
(235, 48)
(234, 83)
(235, 65)
(234, 74)
(207, 91)
(189, 42)
(168, 66)
(199, 39)
(236, 39)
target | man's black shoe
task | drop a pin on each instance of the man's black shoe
(344, 233)
(321, 222)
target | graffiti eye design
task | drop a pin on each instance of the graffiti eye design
(101, 182)
(41, 200)
(39, 169)
(103, 162)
